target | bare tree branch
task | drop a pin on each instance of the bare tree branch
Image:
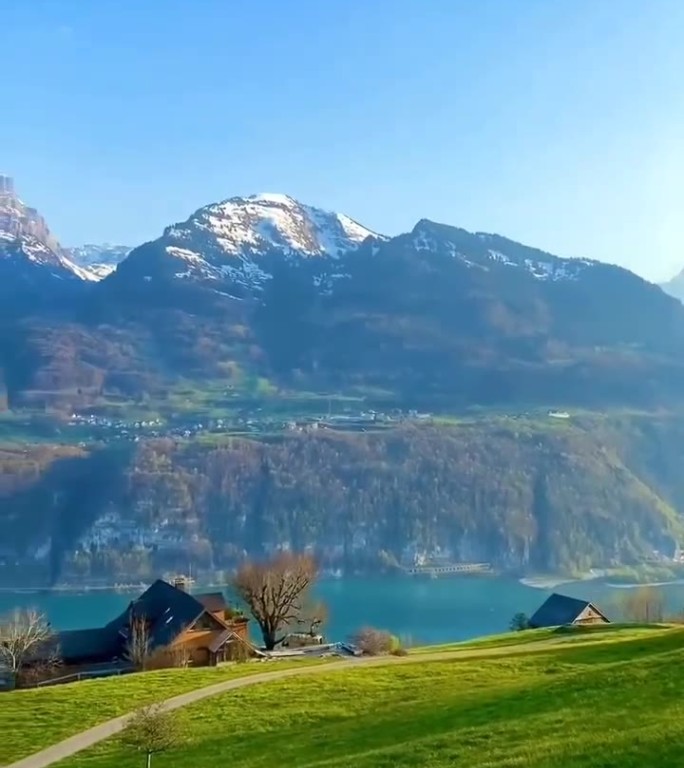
(275, 591)
(137, 649)
(313, 616)
(25, 636)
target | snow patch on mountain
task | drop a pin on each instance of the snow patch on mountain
(269, 221)
(26, 242)
(95, 262)
(28, 255)
(438, 238)
(238, 238)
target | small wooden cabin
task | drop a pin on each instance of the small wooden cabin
(561, 610)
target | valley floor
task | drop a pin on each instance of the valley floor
(540, 699)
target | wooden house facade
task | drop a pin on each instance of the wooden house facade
(175, 627)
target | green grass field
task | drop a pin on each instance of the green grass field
(605, 699)
(604, 633)
(36, 718)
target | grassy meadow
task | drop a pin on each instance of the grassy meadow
(612, 701)
(35, 718)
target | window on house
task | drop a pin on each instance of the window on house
(204, 622)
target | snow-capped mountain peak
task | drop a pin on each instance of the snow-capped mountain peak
(242, 238)
(242, 226)
(29, 252)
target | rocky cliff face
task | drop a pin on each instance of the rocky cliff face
(33, 265)
(19, 221)
(32, 257)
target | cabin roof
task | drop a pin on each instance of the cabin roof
(78, 644)
(168, 610)
(558, 610)
(212, 601)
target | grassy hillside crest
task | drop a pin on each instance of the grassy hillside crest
(539, 699)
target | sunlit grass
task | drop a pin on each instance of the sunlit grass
(36, 718)
(595, 706)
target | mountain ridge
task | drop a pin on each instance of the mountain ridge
(270, 302)
(311, 299)
(97, 261)
(675, 286)
(234, 239)
(26, 240)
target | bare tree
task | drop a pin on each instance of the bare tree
(275, 592)
(313, 616)
(137, 649)
(180, 656)
(644, 605)
(152, 730)
(373, 642)
(26, 637)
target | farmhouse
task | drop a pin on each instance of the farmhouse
(561, 610)
(201, 630)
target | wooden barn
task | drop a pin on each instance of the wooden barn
(561, 610)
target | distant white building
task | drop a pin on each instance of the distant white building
(559, 414)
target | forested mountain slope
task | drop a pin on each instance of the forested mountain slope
(526, 496)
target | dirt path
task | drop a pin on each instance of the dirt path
(98, 733)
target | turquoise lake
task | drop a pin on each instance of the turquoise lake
(422, 611)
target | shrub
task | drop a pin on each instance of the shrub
(519, 622)
(373, 642)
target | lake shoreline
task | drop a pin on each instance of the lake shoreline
(420, 611)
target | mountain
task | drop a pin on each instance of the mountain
(675, 286)
(270, 287)
(256, 303)
(239, 242)
(32, 262)
(95, 262)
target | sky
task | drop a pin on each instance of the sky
(559, 123)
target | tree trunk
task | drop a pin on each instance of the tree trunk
(269, 638)
(149, 759)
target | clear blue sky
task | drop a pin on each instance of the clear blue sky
(556, 122)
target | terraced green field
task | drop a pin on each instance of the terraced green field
(614, 700)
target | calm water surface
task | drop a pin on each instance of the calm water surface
(426, 611)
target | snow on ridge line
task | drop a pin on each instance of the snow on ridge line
(271, 197)
(84, 274)
(266, 221)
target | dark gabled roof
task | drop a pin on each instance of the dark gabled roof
(213, 601)
(559, 610)
(169, 611)
(88, 644)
